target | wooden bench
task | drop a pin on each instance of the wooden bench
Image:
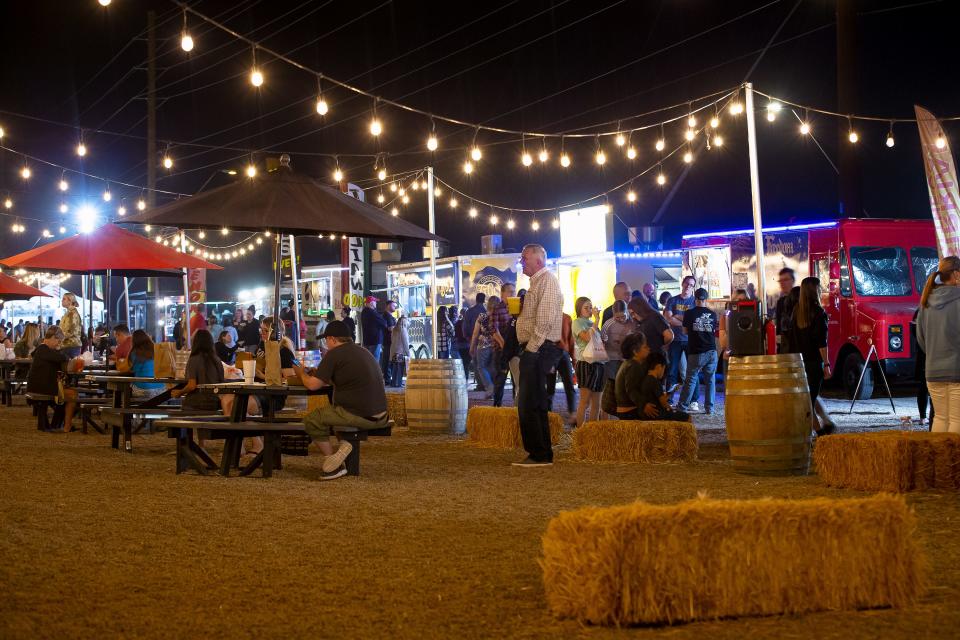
(191, 455)
(40, 403)
(87, 408)
(120, 420)
(9, 388)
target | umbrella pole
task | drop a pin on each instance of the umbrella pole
(433, 260)
(296, 297)
(126, 297)
(106, 302)
(186, 295)
(278, 237)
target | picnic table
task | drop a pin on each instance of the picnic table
(8, 379)
(119, 415)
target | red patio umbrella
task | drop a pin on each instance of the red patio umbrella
(13, 289)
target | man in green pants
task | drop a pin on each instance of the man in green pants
(359, 398)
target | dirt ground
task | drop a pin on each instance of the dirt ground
(438, 538)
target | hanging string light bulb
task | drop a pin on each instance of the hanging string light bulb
(890, 142)
(382, 174)
(393, 187)
(773, 108)
(376, 127)
(63, 207)
(494, 219)
(661, 179)
(525, 158)
(415, 185)
(688, 157)
(555, 223)
(661, 141)
(121, 211)
(631, 196)
(251, 170)
(381, 198)
(141, 205)
(718, 140)
(395, 212)
(468, 167)
(736, 108)
(432, 142)
(167, 162)
(852, 136)
(322, 106)
(620, 139)
(689, 135)
(107, 196)
(7, 203)
(337, 173)
(476, 154)
(25, 172)
(63, 185)
(543, 156)
(186, 42)
(81, 147)
(256, 76)
(437, 192)
(564, 158)
(511, 224)
(473, 213)
(940, 142)
(453, 203)
(714, 122)
(600, 157)
(535, 225)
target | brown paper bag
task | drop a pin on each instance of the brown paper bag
(272, 373)
(164, 362)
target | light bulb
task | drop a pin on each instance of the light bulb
(890, 141)
(46, 233)
(620, 140)
(338, 175)
(2, 133)
(64, 185)
(543, 156)
(201, 235)
(774, 107)
(401, 191)
(167, 162)
(104, 3)
(147, 228)
(26, 173)
(234, 254)
(437, 192)
(453, 203)
(691, 121)
(121, 210)
(661, 179)
(432, 143)
(382, 174)
(256, 77)
(853, 137)
(805, 128)
(251, 171)
(526, 159)
(555, 224)
(718, 141)
(81, 149)
(714, 122)
(159, 238)
(107, 196)
(393, 187)
(259, 240)
(8, 203)
(376, 128)
(468, 167)
(601, 157)
(62, 229)
(322, 106)
(267, 233)
(661, 144)
(689, 134)
(395, 211)
(476, 154)
(771, 116)
(63, 207)
(473, 212)
(631, 153)
(186, 42)
(736, 108)
(631, 196)
(688, 157)
(415, 185)
(494, 220)
(243, 251)
(423, 185)
(141, 205)
(940, 143)
(224, 231)
(564, 160)
(405, 199)
(381, 198)
(511, 224)
(535, 225)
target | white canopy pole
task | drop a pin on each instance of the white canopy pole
(755, 197)
(185, 331)
(432, 227)
(296, 296)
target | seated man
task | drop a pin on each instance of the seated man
(121, 334)
(48, 362)
(359, 399)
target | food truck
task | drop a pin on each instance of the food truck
(459, 280)
(871, 272)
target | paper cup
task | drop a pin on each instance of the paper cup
(249, 370)
(513, 306)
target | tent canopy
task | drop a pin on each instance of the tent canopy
(122, 252)
(13, 289)
(284, 202)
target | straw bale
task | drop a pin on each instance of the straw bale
(397, 408)
(635, 441)
(890, 460)
(707, 559)
(499, 427)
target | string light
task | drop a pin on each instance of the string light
(202, 235)
(601, 157)
(620, 140)
(376, 127)
(167, 162)
(689, 134)
(718, 140)
(661, 179)
(432, 142)
(688, 157)
(736, 108)
(104, 3)
(714, 122)
(535, 225)
(8, 203)
(543, 156)
(63, 207)
(267, 233)
(259, 240)
(415, 185)
(63, 185)
(121, 210)
(453, 203)
(25, 173)
(18, 228)
(381, 198)
(631, 196)
(405, 199)
(468, 167)
(691, 121)
(46, 233)
(631, 153)
(251, 170)
(555, 223)
(141, 205)
(564, 160)
(423, 185)
(186, 42)
(494, 219)
(475, 154)
(661, 144)
(773, 108)
(382, 174)
(437, 192)
(62, 229)
(107, 196)
(890, 141)
(805, 128)
(401, 191)
(853, 137)
(473, 213)
(940, 143)
(147, 228)
(395, 212)
(81, 149)
(393, 187)
(224, 231)
(256, 76)
(322, 106)
(338, 174)
(526, 159)
(511, 224)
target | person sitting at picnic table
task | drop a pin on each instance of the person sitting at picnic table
(359, 397)
(226, 348)
(121, 334)
(140, 361)
(6, 339)
(287, 360)
(204, 367)
(24, 348)
(49, 361)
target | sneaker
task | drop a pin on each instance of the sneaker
(694, 406)
(336, 459)
(336, 473)
(530, 462)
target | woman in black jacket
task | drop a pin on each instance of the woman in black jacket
(809, 338)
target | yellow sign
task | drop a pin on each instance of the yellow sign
(352, 300)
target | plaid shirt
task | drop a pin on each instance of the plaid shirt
(444, 335)
(501, 317)
(542, 315)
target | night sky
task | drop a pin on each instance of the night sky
(506, 64)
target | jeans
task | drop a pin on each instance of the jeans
(385, 368)
(946, 402)
(466, 359)
(485, 368)
(513, 368)
(533, 401)
(677, 352)
(443, 354)
(319, 423)
(564, 369)
(697, 363)
(375, 350)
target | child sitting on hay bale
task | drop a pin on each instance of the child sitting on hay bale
(652, 391)
(629, 380)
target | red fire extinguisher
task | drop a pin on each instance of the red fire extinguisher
(770, 330)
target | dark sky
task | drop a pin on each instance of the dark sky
(83, 65)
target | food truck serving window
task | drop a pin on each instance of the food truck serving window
(880, 271)
(924, 261)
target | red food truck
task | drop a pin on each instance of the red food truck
(872, 273)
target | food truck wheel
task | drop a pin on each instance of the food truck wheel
(852, 367)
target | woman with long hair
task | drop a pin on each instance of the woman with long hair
(483, 346)
(591, 375)
(809, 338)
(72, 326)
(400, 350)
(444, 332)
(203, 367)
(651, 324)
(938, 333)
(141, 365)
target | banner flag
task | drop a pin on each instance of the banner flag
(941, 182)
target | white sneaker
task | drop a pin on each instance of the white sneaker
(694, 406)
(337, 458)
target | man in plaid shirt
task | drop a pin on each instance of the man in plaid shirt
(538, 332)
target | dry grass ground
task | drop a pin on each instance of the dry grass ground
(437, 539)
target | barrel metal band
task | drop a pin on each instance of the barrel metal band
(768, 392)
(768, 443)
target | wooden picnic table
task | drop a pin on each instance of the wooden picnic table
(8, 380)
(243, 390)
(122, 404)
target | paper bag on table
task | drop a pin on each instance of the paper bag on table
(164, 364)
(272, 373)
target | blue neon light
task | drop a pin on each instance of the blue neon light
(651, 254)
(792, 227)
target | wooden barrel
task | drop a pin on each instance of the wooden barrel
(768, 415)
(436, 396)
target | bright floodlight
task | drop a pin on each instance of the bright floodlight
(86, 218)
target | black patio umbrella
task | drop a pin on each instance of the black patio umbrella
(282, 202)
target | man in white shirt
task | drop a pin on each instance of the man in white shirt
(538, 332)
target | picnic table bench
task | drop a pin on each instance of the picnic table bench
(190, 455)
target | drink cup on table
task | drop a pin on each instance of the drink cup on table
(249, 370)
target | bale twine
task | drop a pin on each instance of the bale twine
(397, 408)
(706, 559)
(890, 460)
(499, 427)
(635, 441)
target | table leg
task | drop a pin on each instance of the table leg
(190, 455)
(227, 459)
(270, 448)
(115, 437)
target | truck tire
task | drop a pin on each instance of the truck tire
(852, 367)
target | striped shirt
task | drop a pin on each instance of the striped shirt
(542, 315)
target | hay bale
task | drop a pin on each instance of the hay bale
(397, 408)
(499, 427)
(706, 559)
(635, 441)
(890, 460)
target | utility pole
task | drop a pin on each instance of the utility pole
(152, 283)
(848, 162)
